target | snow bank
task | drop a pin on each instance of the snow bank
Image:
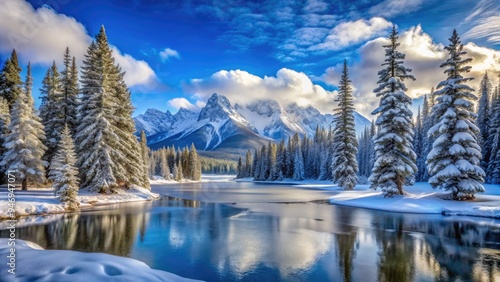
(39, 202)
(421, 198)
(33, 263)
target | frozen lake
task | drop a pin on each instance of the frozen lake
(227, 231)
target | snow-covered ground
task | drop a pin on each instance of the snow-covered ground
(420, 198)
(204, 178)
(43, 201)
(33, 263)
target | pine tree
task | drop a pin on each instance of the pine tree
(63, 172)
(345, 144)
(194, 163)
(24, 142)
(427, 123)
(52, 110)
(493, 170)
(69, 79)
(109, 154)
(298, 165)
(483, 111)
(145, 161)
(179, 174)
(395, 159)
(4, 130)
(10, 80)
(248, 164)
(453, 162)
(418, 146)
(165, 170)
(239, 168)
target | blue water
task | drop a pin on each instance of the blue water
(246, 232)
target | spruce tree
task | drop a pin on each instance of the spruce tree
(24, 146)
(345, 144)
(248, 164)
(165, 170)
(395, 159)
(239, 168)
(63, 172)
(69, 79)
(483, 111)
(493, 169)
(298, 165)
(4, 130)
(453, 162)
(194, 163)
(109, 155)
(145, 161)
(11, 86)
(52, 110)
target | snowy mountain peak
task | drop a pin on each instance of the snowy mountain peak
(218, 107)
(266, 107)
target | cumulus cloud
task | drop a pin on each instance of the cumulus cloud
(42, 35)
(352, 32)
(391, 8)
(423, 56)
(242, 87)
(178, 103)
(168, 53)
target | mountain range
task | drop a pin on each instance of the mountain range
(222, 127)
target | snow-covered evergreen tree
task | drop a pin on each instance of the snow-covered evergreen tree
(493, 169)
(164, 168)
(345, 144)
(395, 159)
(248, 164)
(453, 162)
(52, 110)
(418, 145)
(239, 168)
(194, 163)
(24, 142)
(69, 80)
(10, 80)
(145, 161)
(109, 155)
(298, 165)
(482, 121)
(4, 130)
(63, 173)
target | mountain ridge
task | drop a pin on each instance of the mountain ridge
(220, 126)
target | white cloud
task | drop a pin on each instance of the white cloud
(315, 6)
(485, 20)
(423, 56)
(178, 103)
(42, 35)
(391, 8)
(353, 32)
(168, 53)
(242, 87)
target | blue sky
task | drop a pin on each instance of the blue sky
(177, 53)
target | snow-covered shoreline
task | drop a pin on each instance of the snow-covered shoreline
(420, 198)
(32, 262)
(43, 201)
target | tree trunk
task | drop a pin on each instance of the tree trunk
(399, 183)
(25, 184)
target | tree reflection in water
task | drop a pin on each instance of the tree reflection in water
(299, 242)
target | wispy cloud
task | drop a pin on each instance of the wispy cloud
(391, 8)
(168, 53)
(485, 18)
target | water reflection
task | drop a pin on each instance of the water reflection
(305, 242)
